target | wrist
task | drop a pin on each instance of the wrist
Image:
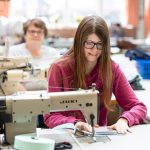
(124, 120)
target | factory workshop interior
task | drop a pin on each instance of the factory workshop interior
(74, 74)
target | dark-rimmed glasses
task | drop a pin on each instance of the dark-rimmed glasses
(33, 32)
(91, 44)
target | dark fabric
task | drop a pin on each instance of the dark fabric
(137, 54)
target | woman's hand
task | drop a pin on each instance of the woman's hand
(83, 126)
(121, 126)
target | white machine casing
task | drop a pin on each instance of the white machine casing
(25, 106)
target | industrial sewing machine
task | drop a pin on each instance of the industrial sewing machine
(16, 69)
(24, 107)
(21, 108)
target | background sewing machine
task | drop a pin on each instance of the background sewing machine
(21, 108)
(16, 69)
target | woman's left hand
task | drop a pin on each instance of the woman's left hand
(121, 126)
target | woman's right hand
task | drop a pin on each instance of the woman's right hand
(83, 126)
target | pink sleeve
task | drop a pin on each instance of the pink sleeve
(134, 110)
(54, 119)
(55, 81)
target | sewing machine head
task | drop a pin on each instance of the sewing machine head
(25, 106)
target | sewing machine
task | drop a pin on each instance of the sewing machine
(25, 106)
(21, 108)
(16, 69)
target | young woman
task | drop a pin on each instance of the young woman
(87, 62)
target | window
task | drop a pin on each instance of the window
(69, 12)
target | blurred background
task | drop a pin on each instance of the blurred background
(63, 16)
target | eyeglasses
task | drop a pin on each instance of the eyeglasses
(33, 32)
(91, 44)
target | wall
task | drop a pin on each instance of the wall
(4, 7)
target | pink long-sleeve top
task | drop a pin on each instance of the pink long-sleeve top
(61, 75)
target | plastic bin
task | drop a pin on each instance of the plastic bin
(143, 67)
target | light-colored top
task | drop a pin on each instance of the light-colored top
(49, 54)
(61, 75)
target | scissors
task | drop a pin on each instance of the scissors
(63, 145)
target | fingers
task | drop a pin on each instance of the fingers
(110, 127)
(84, 126)
(129, 130)
(120, 128)
(96, 126)
(87, 127)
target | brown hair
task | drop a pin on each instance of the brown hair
(89, 25)
(37, 23)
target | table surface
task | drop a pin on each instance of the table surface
(138, 140)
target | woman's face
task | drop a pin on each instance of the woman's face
(34, 35)
(92, 48)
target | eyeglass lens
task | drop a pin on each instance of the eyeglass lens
(91, 44)
(35, 32)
